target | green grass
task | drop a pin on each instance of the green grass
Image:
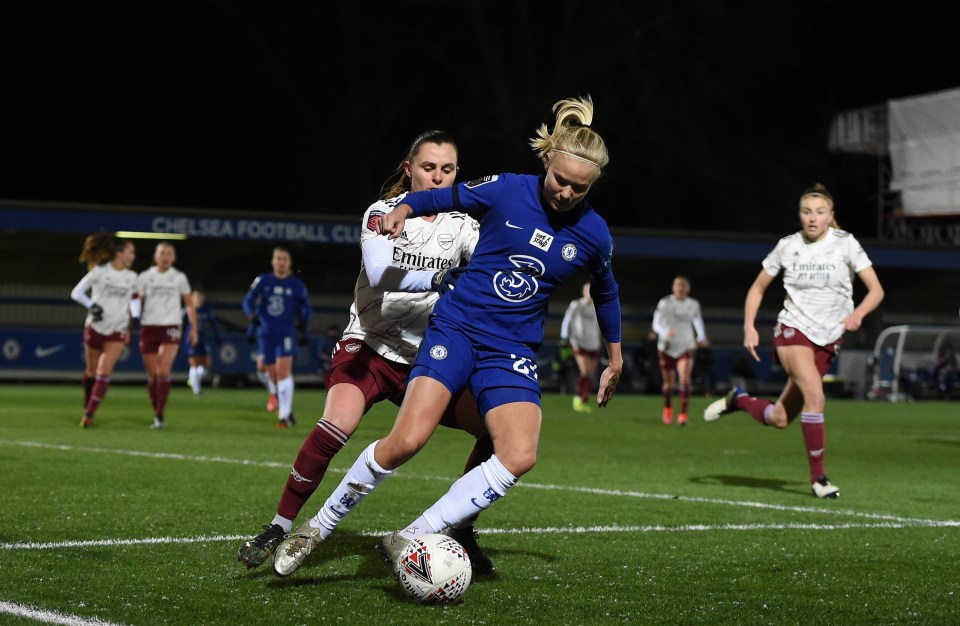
(623, 520)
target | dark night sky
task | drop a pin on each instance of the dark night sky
(716, 113)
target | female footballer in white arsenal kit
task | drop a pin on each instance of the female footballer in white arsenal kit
(581, 329)
(112, 285)
(399, 283)
(676, 318)
(818, 264)
(163, 292)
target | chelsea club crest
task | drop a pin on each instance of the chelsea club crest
(569, 252)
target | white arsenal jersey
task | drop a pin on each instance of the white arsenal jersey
(818, 278)
(162, 294)
(112, 289)
(683, 317)
(580, 325)
(393, 322)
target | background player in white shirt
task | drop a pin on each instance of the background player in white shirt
(163, 293)
(400, 281)
(112, 285)
(580, 328)
(675, 320)
(818, 265)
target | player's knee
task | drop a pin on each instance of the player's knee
(345, 421)
(519, 463)
(402, 447)
(778, 418)
(815, 404)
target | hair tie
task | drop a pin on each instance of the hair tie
(578, 157)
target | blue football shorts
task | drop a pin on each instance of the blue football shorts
(496, 375)
(272, 347)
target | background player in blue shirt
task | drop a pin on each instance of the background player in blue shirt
(198, 354)
(278, 306)
(536, 232)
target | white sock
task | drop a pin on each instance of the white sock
(194, 377)
(201, 371)
(267, 382)
(284, 523)
(360, 480)
(474, 492)
(285, 397)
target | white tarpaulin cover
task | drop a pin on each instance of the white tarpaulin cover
(924, 135)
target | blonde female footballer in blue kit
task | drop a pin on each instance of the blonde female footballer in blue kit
(535, 233)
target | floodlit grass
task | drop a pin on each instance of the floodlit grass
(623, 521)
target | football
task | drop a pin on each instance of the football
(434, 569)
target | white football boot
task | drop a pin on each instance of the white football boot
(295, 548)
(390, 546)
(823, 488)
(722, 406)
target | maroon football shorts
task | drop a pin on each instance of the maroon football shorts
(668, 363)
(95, 340)
(594, 354)
(151, 337)
(378, 378)
(824, 356)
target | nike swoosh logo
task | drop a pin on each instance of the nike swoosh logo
(42, 353)
(509, 225)
(473, 501)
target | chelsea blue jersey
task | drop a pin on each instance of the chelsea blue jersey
(525, 251)
(205, 321)
(277, 302)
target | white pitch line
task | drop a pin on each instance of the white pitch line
(746, 503)
(588, 490)
(150, 455)
(573, 530)
(50, 617)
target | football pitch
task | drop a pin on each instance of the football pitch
(622, 521)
